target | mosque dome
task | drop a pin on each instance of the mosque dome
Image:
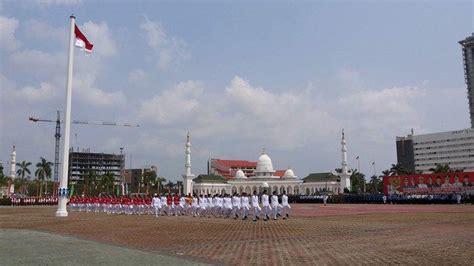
(289, 173)
(240, 174)
(264, 164)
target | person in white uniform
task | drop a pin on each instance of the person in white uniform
(266, 206)
(275, 204)
(244, 200)
(235, 206)
(156, 202)
(255, 206)
(285, 212)
(195, 206)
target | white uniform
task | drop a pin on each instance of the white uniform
(266, 206)
(202, 205)
(286, 206)
(235, 206)
(255, 206)
(164, 204)
(182, 204)
(275, 206)
(245, 206)
(210, 205)
(156, 202)
(195, 206)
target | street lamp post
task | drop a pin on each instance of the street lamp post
(358, 170)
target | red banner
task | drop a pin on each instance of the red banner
(457, 182)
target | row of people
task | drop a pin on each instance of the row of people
(225, 206)
(26, 201)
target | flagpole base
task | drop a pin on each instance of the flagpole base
(62, 211)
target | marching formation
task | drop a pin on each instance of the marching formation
(225, 206)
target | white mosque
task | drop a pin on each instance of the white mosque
(264, 179)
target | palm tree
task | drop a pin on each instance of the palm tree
(441, 168)
(160, 180)
(22, 184)
(107, 180)
(170, 186)
(149, 178)
(398, 169)
(374, 184)
(179, 184)
(43, 172)
(386, 172)
(23, 169)
(90, 183)
(3, 180)
(21, 172)
(357, 181)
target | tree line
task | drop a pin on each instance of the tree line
(92, 184)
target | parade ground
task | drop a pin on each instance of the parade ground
(314, 235)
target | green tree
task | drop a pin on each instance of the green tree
(179, 186)
(170, 186)
(3, 178)
(375, 184)
(23, 169)
(357, 181)
(90, 183)
(160, 181)
(149, 178)
(43, 172)
(441, 168)
(22, 184)
(398, 169)
(107, 180)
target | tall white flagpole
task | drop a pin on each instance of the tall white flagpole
(63, 190)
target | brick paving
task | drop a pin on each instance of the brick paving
(315, 235)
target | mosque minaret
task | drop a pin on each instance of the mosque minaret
(13, 168)
(187, 176)
(345, 172)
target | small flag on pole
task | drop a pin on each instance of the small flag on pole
(81, 40)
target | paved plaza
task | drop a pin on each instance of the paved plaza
(314, 235)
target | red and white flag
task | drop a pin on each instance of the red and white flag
(81, 40)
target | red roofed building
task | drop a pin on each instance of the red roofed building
(227, 168)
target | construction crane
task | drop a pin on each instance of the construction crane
(57, 134)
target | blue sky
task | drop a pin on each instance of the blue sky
(239, 75)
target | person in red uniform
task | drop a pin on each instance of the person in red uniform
(176, 204)
(169, 201)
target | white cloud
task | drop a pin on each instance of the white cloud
(38, 63)
(175, 105)
(101, 37)
(169, 50)
(11, 93)
(85, 90)
(8, 27)
(136, 75)
(241, 112)
(47, 3)
(40, 30)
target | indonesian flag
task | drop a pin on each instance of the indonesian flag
(81, 40)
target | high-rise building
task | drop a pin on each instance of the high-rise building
(424, 152)
(85, 161)
(133, 178)
(468, 60)
(405, 154)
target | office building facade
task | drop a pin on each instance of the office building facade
(468, 60)
(424, 152)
